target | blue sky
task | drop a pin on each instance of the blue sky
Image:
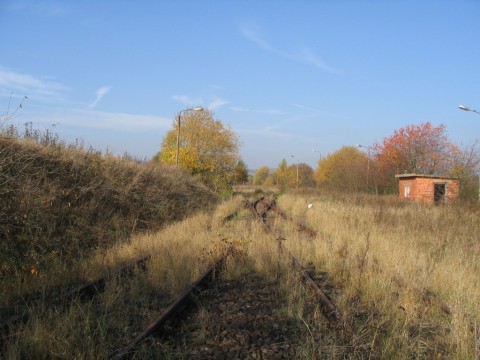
(288, 77)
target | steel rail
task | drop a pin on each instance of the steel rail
(302, 227)
(329, 310)
(179, 305)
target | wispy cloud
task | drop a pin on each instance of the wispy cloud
(100, 93)
(216, 103)
(42, 8)
(307, 108)
(94, 119)
(318, 111)
(31, 86)
(304, 56)
(217, 87)
(187, 100)
(190, 102)
(266, 111)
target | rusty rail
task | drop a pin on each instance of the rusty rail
(329, 310)
(302, 227)
(179, 305)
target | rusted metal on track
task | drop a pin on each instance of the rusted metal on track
(83, 292)
(329, 310)
(174, 308)
(302, 227)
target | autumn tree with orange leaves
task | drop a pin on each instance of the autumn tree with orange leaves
(419, 149)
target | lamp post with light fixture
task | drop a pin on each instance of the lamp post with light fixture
(368, 160)
(293, 156)
(178, 130)
(319, 152)
(466, 108)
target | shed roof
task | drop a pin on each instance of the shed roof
(409, 176)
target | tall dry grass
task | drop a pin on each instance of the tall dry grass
(61, 202)
(97, 328)
(395, 264)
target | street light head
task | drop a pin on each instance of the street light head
(198, 108)
(463, 107)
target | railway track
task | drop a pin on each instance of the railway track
(252, 328)
(219, 317)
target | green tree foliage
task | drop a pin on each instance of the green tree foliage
(261, 175)
(345, 169)
(240, 174)
(207, 148)
(285, 175)
(305, 175)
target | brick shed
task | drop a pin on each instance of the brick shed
(430, 189)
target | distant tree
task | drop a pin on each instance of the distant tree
(285, 175)
(305, 175)
(467, 170)
(208, 149)
(421, 149)
(270, 180)
(345, 169)
(240, 174)
(260, 175)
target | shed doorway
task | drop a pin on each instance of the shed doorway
(439, 193)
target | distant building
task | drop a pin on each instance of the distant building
(429, 189)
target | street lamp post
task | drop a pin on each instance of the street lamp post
(319, 152)
(368, 161)
(297, 168)
(178, 129)
(466, 108)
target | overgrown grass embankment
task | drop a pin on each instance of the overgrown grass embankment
(59, 203)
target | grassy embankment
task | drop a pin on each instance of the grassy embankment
(60, 203)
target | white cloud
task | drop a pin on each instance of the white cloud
(266, 111)
(187, 100)
(304, 56)
(31, 86)
(92, 119)
(191, 102)
(217, 87)
(41, 8)
(101, 92)
(216, 103)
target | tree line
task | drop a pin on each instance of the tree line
(210, 151)
(414, 149)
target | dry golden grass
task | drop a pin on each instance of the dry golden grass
(60, 203)
(385, 256)
(91, 330)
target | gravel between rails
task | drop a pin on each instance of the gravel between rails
(237, 319)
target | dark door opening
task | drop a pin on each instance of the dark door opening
(439, 193)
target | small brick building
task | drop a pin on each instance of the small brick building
(430, 189)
